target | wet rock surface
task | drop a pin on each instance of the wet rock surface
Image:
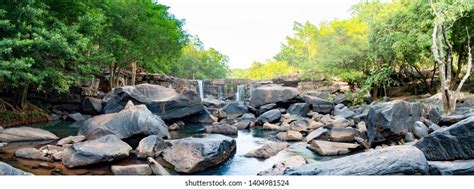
(105, 149)
(155, 97)
(451, 143)
(132, 120)
(190, 155)
(396, 160)
(22, 134)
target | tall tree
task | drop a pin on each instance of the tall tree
(447, 13)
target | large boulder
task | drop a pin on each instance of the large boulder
(393, 119)
(190, 155)
(156, 167)
(458, 167)
(450, 143)
(162, 101)
(279, 168)
(22, 134)
(299, 109)
(271, 116)
(268, 150)
(105, 149)
(133, 120)
(6, 169)
(233, 110)
(394, 160)
(327, 148)
(318, 104)
(150, 146)
(272, 94)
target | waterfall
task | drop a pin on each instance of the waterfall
(238, 94)
(220, 92)
(201, 89)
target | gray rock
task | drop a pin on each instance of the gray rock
(320, 133)
(268, 150)
(213, 103)
(340, 122)
(162, 101)
(222, 129)
(433, 127)
(31, 153)
(290, 136)
(3, 144)
(23, 134)
(458, 167)
(190, 155)
(279, 168)
(75, 117)
(91, 105)
(419, 129)
(300, 109)
(204, 117)
(434, 115)
(233, 110)
(6, 169)
(326, 148)
(299, 125)
(272, 94)
(105, 149)
(393, 119)
(271, 116)
(319, 105)
(264, 108)
(133, 120)
(409, 137)
(342, 111)
(139, 169)
(156, 168)
(150, 146)
(451, 143)
(394, 160)
(342, 134)
(71, 140)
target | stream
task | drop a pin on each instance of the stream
(246, 140)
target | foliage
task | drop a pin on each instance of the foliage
(196, 62)
(266, 71)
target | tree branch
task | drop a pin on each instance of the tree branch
(469, 63)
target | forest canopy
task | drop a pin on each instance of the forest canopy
(52, 44)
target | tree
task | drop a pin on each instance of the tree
(38, 49)
(140, 33)
(447, 13)
(300, 50)
(196, 62)
(267, 70)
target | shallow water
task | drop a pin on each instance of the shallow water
(246, 140)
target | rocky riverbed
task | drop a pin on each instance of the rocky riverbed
(152, 130)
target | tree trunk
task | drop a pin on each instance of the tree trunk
(134, 73)
(112, 76)
(21, 98)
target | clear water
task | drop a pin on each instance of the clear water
(246, 140)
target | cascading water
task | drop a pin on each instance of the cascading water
(201, 88)
(238, 94)
(220, 92)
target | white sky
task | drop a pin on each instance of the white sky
(251, 30)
